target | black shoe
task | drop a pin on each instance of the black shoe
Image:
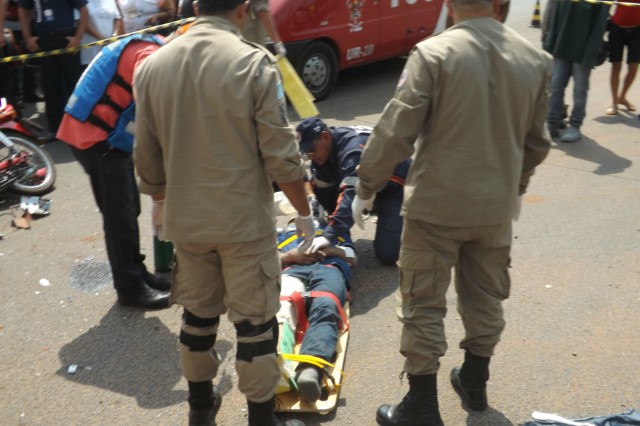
(47, 138)
(261, 414)
(399, 415)
(32, 97)
(144, 297)
(474, 397)
(156, 282)
(206, 416)
(419, 407)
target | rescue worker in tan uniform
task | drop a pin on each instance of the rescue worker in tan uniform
(212, 133)
(471, 104)
(259, 25)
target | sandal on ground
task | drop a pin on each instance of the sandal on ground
(612, 110)
(629, 105)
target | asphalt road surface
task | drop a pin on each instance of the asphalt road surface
(570, 347)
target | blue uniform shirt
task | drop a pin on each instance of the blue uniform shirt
(340, 172)
(52, 15)
(287, 240)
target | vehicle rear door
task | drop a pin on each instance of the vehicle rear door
(422, 17)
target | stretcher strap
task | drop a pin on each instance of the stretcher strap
(298, 300)
(320, 363)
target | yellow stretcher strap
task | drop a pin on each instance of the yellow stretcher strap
(292, 239)
(320, 363)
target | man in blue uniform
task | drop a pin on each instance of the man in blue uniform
(54, 27)
(335, 155)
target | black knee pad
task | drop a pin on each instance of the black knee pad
(247, 351)
(198, 343)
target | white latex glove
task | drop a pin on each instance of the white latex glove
(317, 244)
(280, 49)
(157, 216)
(516, 208)
(358, 206)
(305, 228)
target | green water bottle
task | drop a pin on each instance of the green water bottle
(162, 255)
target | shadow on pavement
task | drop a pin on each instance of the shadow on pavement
(134, 356)
(488, 417)
(128, 354)
(372, 282)
(60, 152)
(627, 118)
(589, 150)
(313, 419)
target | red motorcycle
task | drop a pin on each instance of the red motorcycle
(25, 167)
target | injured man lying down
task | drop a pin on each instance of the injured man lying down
(315, 289)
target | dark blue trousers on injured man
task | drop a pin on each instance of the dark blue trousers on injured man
(321, 337)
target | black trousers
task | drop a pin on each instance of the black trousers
(114, 186)
(60, 73)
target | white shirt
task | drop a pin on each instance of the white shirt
(102, 14)
(135, 13)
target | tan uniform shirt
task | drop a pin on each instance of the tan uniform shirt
(253, 29)
(472, 102)
(212, 132)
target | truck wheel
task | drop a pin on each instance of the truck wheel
(318, 69)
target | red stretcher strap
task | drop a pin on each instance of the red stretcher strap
(299, 302)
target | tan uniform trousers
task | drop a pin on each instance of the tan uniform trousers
(428, 252)
(243, 278)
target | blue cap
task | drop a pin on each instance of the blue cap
(309, 129)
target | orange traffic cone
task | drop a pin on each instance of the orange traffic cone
(535, 20)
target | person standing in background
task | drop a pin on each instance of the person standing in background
(259, 24)
(25, 82)
(105, 20)
(572, 32)
(139, 14)
(624, 31)
(54, 27)
(186, 8)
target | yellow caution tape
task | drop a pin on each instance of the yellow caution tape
(610, 3)
(299, 96)
(95, 43)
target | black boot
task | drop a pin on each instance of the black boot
(155, 281)
(470, 381)
(144, 297)
(261, 414)
(418, 408)
(204, 403)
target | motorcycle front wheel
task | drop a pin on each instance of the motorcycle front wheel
(42, 180)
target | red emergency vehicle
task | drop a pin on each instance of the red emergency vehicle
(325, 36)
